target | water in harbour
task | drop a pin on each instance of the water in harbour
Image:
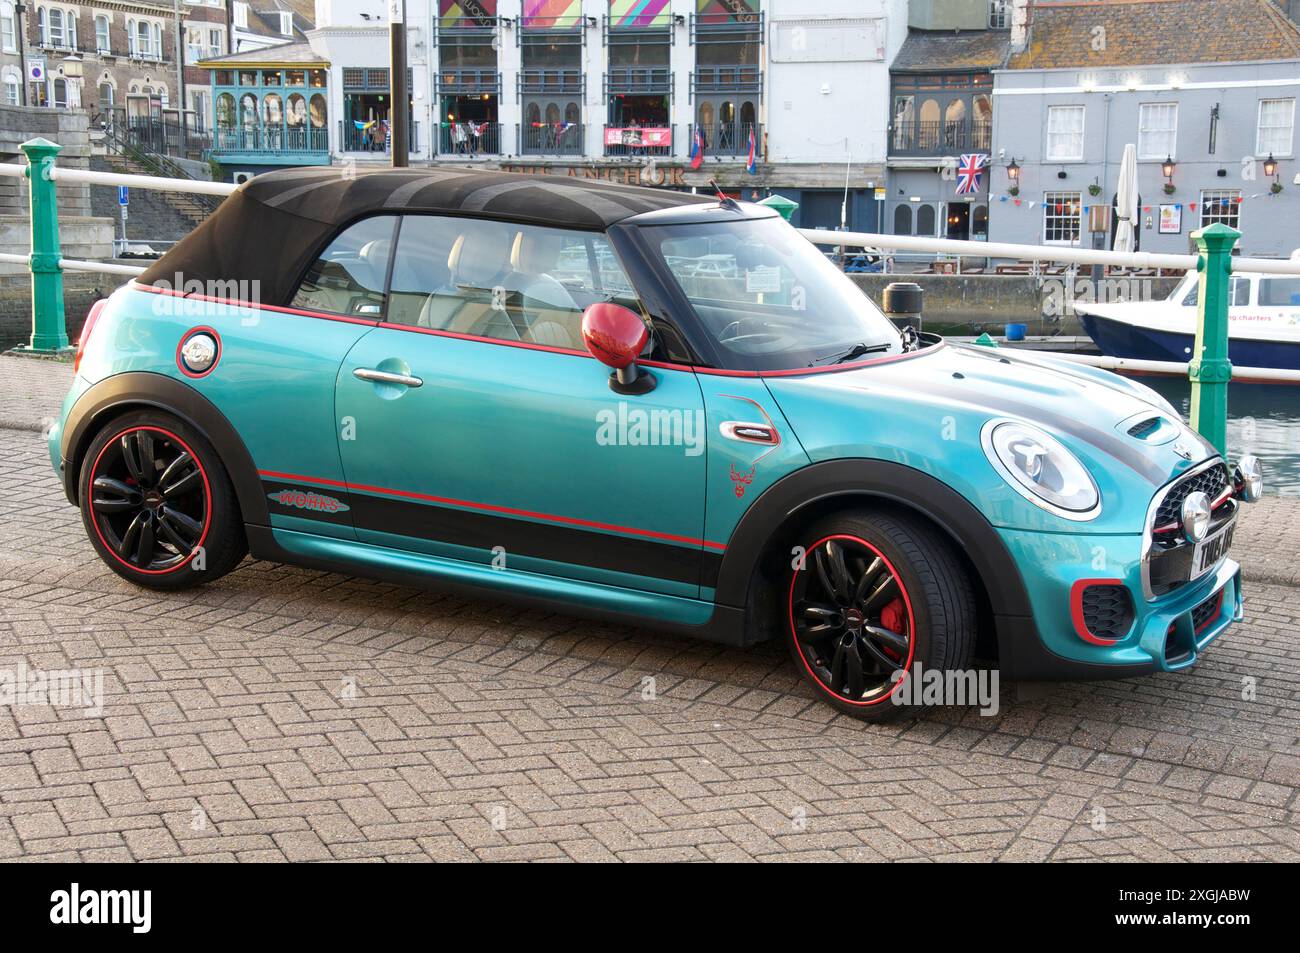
(1263, 419)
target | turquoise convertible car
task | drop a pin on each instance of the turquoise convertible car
(646, 406)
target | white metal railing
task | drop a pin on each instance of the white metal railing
(1174, 367)
(1061, 253)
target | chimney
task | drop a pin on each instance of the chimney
(1019, 25)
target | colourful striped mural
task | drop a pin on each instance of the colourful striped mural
(454, 13)
(721, 11)
(552, 14)
(635, 13)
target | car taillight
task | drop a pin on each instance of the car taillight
(86, 328)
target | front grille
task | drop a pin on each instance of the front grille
(1212, 482)
(1206, 611)
(1107, 611)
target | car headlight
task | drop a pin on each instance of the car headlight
(1039, 468)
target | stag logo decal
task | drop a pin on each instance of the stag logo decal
(307, 500)
(742, 479)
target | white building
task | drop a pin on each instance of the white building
(619, 89)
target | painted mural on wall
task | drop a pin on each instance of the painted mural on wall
(728, 11)
(552, 15)
(638, 13)
(466, 13)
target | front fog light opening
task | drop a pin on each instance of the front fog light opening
(1196, 516)
(1041, 469)
(1248, 479)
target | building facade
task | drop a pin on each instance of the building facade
(1210, 111)
(667, 93)
(117, 60)
(941, 118)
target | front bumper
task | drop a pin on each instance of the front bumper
(1167, 634)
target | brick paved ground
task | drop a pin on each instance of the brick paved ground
(289, 714)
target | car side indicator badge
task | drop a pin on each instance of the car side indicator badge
(307, 500)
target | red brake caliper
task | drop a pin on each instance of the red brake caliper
(893, 617)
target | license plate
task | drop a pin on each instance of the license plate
(1210, 550)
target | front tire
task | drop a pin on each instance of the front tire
(158, 505)
(875, 594)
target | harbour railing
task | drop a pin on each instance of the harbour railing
(1209, 371)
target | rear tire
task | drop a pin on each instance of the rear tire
(876, 593)
(157, 504)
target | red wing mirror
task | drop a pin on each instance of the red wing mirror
(616, 335)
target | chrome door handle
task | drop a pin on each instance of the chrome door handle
(385, 377)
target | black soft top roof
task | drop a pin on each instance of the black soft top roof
(271, 227)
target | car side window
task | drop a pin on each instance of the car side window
(349, 276)
(499, 280)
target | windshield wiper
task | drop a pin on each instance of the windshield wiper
(858, 350)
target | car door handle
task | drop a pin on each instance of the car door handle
(386, 377)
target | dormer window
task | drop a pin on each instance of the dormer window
(286, 24)
(241, 15)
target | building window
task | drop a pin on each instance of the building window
(1157, 130)
(286, 24)
(193, 44)
(241, 16)
(59, 94)
(1221, 205)
(102, 42)
(1061, 212)
(106, 97)
(999, 14)
(8, 31)
(216, 43)
(1064, 133)
(902, 220)
(1276, 123)
(13, 89)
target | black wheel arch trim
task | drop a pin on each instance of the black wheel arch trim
(954, 515)
(144, 389)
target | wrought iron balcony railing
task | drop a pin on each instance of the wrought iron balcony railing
(469, 80)
(549, 80)
(729, 140)
(353, 138)
(270, 140)
(469, 139)
(727, 79)
(638, 81)
(550, 139)
(935, 137)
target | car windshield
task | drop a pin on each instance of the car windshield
(769, 298)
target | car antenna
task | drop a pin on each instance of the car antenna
(725, 200)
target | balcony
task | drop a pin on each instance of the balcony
(550, 139)
(353, 139)
(637, 141)
(728, 140)
(727, 28)
(468, 140)
(727, 79)
(941, 137)
(468, 81)
(638, 81)
(551, 81)
(287, 145)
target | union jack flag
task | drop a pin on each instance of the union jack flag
(969, 172)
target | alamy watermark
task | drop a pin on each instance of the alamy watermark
(57, 688)
(625, 426)
(932, 687)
